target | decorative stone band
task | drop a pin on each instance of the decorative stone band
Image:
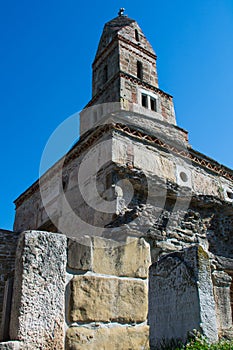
(191, 154)
(88, 139)
(133, 79)
(126, 41)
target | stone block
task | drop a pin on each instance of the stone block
(80, 253)
(131, 259)
(106, 256)
(108, 299)
(38, 308)
(10, 345)
(181, 297)
(222, 284)
(114, 338)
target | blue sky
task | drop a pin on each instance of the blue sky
(47, 48)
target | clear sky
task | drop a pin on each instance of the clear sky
(47, 48)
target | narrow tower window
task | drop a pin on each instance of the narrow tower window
(153, 104)
(144, 100)
(139, 70)
(137, 35)
(105, 73)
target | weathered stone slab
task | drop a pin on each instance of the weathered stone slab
(97, 298)
(222, 283)
(8, 246)
(80, 253)
(37, 317)
(131, 259)
(114, 338)
(110, 257)
(181, 297)
(10, 345)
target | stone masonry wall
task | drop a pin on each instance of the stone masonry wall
(141, 157)
(108, 296)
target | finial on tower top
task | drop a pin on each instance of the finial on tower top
(121, 12)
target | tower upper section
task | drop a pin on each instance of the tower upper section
(124, 71)
(123, 48)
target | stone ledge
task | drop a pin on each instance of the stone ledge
(114, 338)
(108, 299)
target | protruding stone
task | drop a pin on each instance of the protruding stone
(108, 299)
(37, 317)
(114, 338)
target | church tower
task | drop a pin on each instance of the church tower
(124, 71)
(132, 175)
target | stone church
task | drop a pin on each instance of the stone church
(125, 242)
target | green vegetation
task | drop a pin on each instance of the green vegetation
(202, 344)
(199, 342)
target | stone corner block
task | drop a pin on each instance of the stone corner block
(38, 306)
(108, 299)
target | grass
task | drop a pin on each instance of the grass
(199, 342)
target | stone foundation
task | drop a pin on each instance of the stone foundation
(112, 310)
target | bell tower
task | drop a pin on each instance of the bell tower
(124, 71)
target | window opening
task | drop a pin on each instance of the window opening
(137, 35)
(153, 104)
(144, 100)
(139, 70)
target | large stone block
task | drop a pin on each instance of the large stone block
(181, 297)
(37, 317)
(108, 299)
(131, 259)
(222, 283)
(114, 338)
(106, 256)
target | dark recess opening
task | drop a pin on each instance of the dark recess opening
(137, 35)
(153, 104)
(139, 70)
(144, 100)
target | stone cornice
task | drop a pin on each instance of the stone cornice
(130, 77)
(126, 41)
(137, 46)
(92, 136)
